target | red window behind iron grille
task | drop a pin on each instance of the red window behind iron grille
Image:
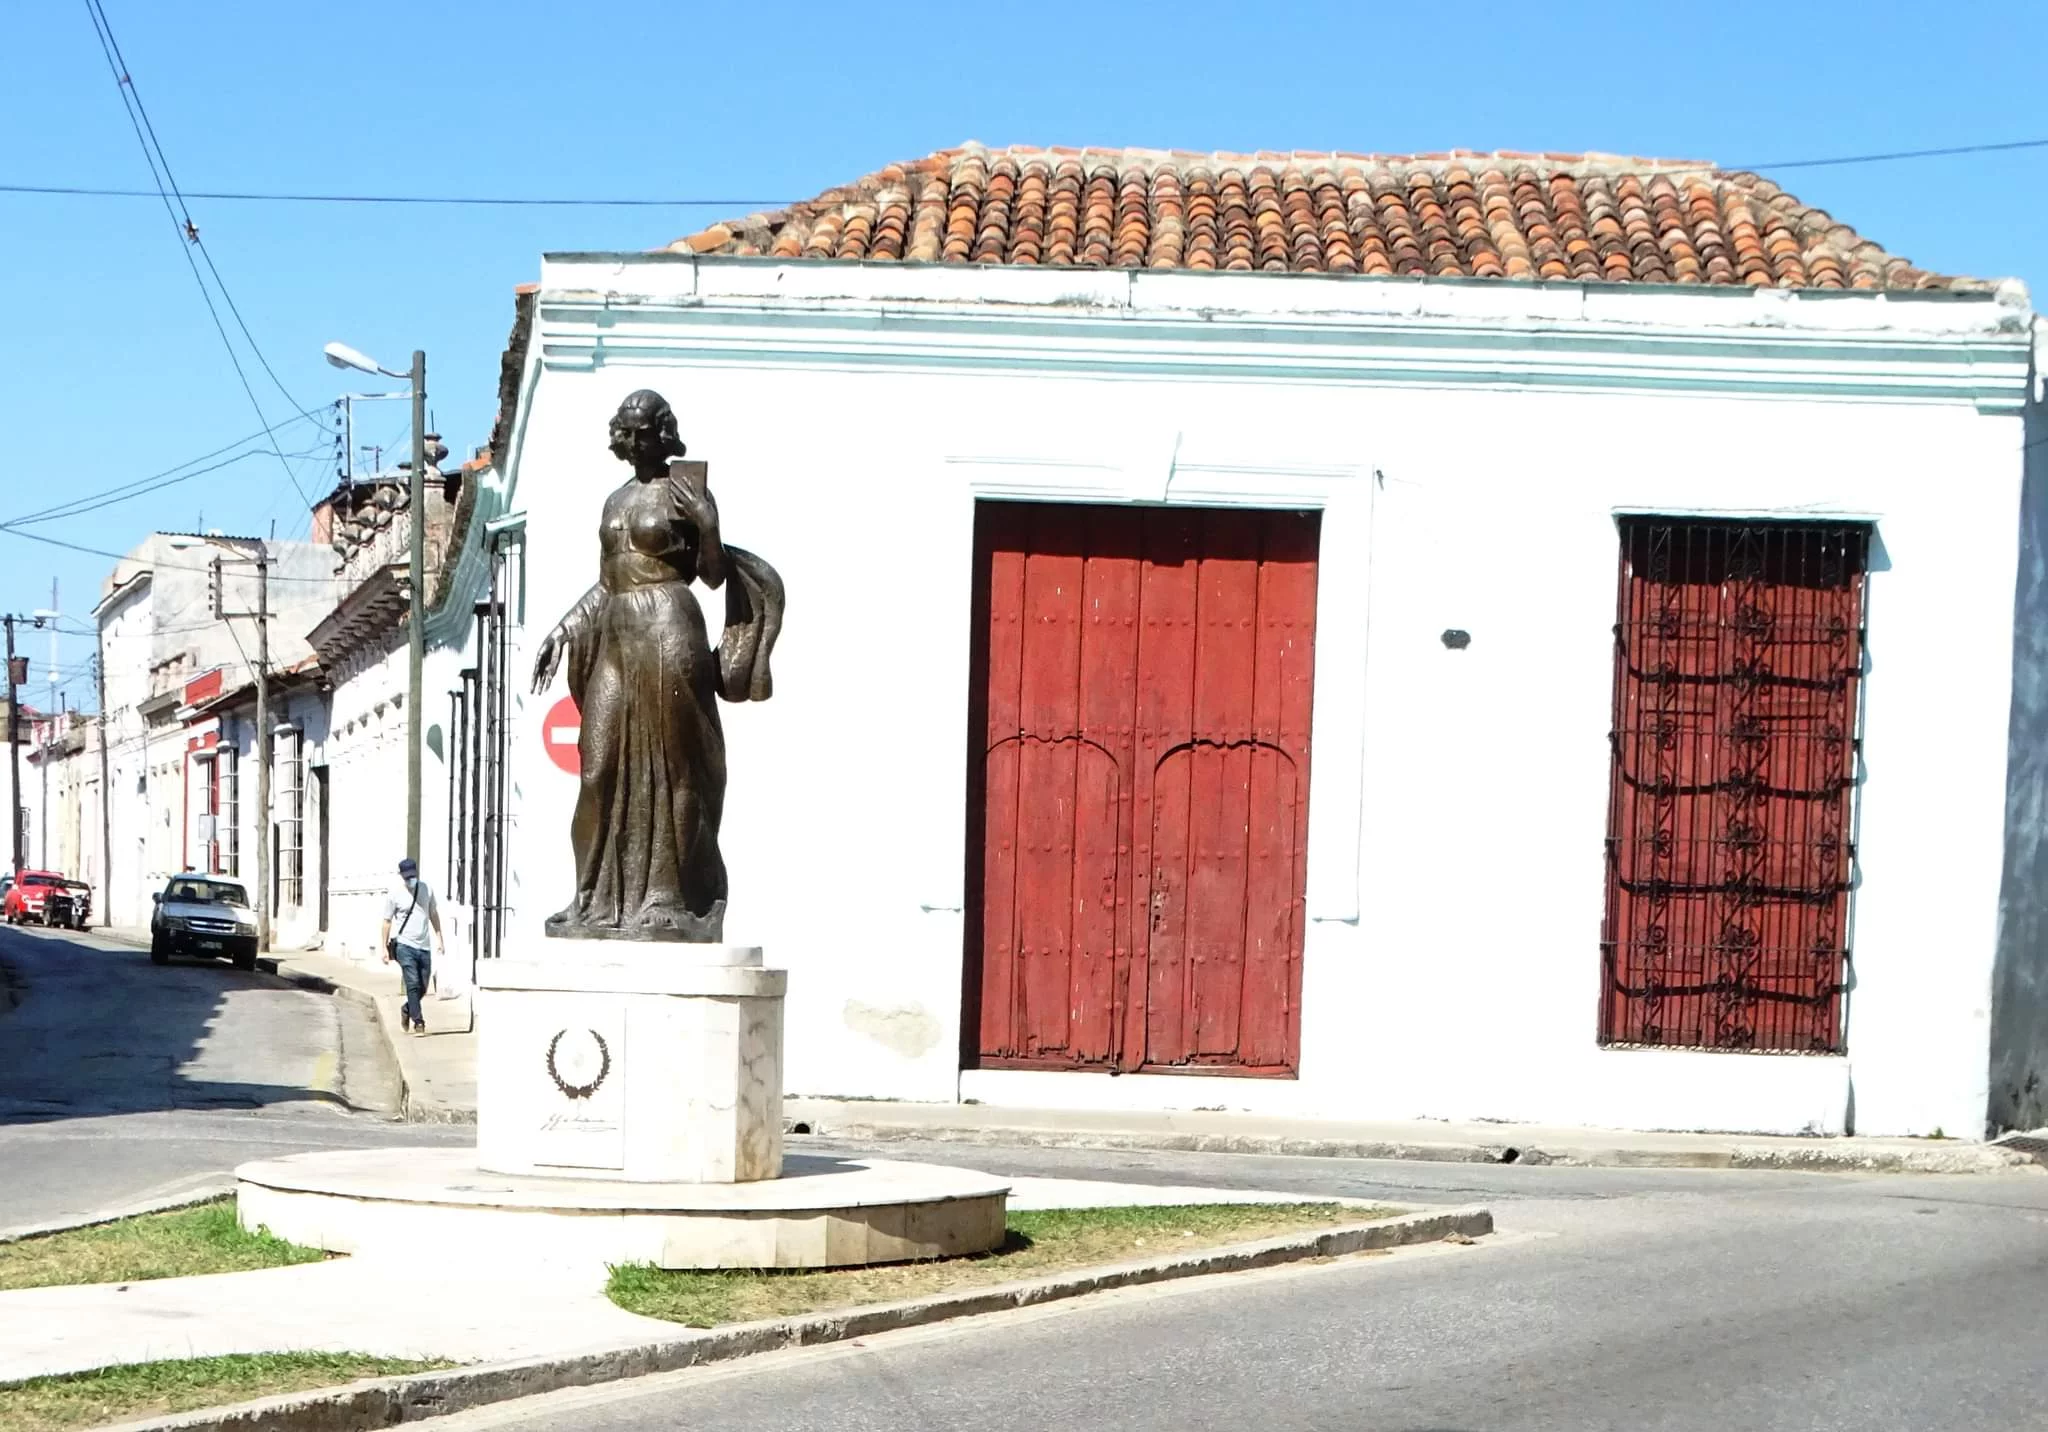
(1738, 659)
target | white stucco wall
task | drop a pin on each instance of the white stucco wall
(75, 814)
(302, 588)
(293, 925)
(67, 850)
(157, 631)
(125, 637)
(33, 854)
(48, 798)
(365, 755)
(364, 751)
(297, 925)
(1470, 463)
(166, 805)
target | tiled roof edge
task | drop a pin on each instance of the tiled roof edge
(1596, 217)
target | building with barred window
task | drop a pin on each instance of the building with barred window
(1516, 637)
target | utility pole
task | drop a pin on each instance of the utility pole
(99, 676)
(43, 811)
(418, 624)
(15, 676)
(262, 676)
(263, 744)
(50, 732)
(343, 356)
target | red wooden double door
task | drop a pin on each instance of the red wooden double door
(1139, 787)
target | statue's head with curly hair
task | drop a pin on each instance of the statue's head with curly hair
(644, 432)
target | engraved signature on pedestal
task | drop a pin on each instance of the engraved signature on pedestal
(579, 1060)
(578, 1124)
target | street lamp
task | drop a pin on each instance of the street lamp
(343, 356)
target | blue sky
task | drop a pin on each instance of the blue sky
(110, 368)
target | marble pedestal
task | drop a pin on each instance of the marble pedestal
(619, 1060)
(629, 1110)
(401, 1204)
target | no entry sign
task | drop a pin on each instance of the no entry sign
(558, 732)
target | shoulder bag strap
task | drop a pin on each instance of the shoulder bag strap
(407, 918)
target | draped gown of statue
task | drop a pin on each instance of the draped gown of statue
(647, 682)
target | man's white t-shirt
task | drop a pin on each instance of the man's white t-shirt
(412, 929)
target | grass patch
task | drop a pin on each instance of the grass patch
(179, 1244)
(119, 1394)
(1049, 1241)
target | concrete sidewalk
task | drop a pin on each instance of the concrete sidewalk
(439, 1077)
(1445, 1142)
(342, 1305)
(464, 1312)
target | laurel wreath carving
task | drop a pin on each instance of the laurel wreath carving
(580, 1091)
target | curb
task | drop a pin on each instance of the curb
(412, 1109)
(319, 984)
(1821, 1157)
(1970, 1158)
(205, 1193)
(386, 1402)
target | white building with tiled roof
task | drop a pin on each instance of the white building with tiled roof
(158, 630)
(1514, 637)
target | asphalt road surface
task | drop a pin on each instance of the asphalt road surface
(1819, 1302)
(122, 1081)
(1612, 1299)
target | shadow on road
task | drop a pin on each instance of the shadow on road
(95, 1028)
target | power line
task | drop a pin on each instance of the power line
(2000, 148)
(168, 476)
(83, 505)
(191, 229)
(753, 205)
(459, 200)
(160, 172)
(140, 561)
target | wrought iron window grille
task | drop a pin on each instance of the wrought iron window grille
(1730, 846)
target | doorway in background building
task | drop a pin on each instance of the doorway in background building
(320, 826)
(1138, 787)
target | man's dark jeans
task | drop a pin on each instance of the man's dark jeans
(417, 966)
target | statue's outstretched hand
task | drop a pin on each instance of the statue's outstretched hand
(546, 662)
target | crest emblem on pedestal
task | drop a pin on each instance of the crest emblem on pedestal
(587, 1058)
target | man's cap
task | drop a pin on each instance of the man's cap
(408, 866)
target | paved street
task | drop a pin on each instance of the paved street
(1821, 1303)
(1613, 1298)
(122, 1081)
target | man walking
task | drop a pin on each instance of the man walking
(415, 912)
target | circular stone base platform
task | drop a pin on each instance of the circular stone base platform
(822, 1213)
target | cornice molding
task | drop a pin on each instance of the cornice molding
(1980, 366)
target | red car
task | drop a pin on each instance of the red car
(40, 897)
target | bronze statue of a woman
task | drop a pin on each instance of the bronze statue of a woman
(647, 682)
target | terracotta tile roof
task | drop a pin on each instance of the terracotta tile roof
(1577, 217)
